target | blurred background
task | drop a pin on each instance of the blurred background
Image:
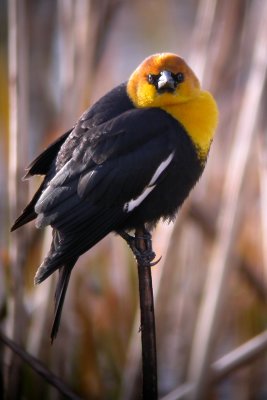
(56, 59)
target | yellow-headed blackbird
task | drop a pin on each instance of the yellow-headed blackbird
(131, 159)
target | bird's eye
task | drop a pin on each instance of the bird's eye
(152, 79)
(179, 77)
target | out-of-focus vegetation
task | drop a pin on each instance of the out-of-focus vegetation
(57, 58)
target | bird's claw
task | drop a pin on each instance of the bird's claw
(155, 262)
(143, 257)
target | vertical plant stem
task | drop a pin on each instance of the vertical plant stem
(262, 157)
(18, 128)
(148, 330)
(229, 219)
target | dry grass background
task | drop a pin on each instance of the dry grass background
(57, 57)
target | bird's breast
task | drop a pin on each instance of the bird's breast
(199, 117)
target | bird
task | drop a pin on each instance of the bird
(130, 160)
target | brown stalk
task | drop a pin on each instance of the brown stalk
(225, 365)
(148, 331)
(229, 218)
(39, 368)
(18, 128)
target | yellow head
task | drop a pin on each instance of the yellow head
(162, 79)
(165, 80)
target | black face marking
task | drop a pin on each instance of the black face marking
(165, 81)
(166, 90)
(153, 79)
(179, 77)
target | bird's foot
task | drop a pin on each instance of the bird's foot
(141, 246)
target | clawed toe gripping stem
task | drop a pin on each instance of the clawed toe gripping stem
(141, 246)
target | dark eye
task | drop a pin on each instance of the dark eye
(152, 79)
(179, 77)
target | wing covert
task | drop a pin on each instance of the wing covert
(113, 164)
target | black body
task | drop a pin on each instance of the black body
(93, 170)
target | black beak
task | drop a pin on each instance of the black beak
(166, 82)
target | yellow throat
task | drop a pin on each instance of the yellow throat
(199, 117)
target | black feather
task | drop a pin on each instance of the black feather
(61, 289)
(93, 172)
(41, 164)
(28, 213)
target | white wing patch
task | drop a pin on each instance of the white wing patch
(130, 205)
(135, 202)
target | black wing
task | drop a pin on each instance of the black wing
(109, 106)
(108, 161)
(40, 166)
(112, 165)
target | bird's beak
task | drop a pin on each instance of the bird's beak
(166, 81)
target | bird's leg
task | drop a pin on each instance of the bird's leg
(141, 246)
(130, 240)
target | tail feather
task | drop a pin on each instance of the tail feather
(67, 246)
(45, 269)
(62, 285)
(28, 213)
(80, 237)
